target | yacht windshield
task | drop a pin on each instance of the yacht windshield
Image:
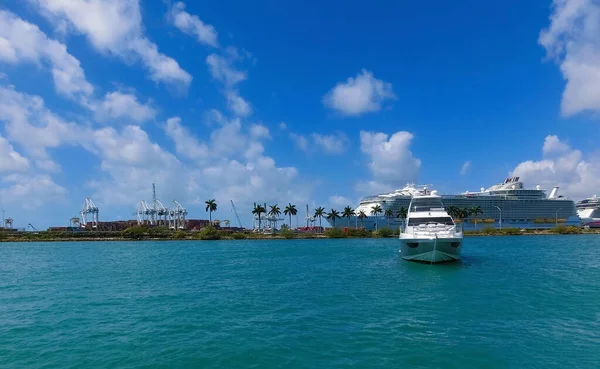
(436, 220)
(426, 204)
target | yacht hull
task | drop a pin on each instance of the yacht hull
(430, 250)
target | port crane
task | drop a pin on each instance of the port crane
(236, 214)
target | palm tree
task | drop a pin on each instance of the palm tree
(74, 221)
(474, 212)
(8, 223)
(348, 213)
(258, 210)
(402, 213)
(452, 211)
(275, 212)
(462, 213)
(211, 205)
(389, 213)
(361, 216)
(376, 210)
(289, 211)
(319, 213)
(333, 215)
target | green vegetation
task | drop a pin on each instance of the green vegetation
(389, 213)
(211, 205)
(179, 235)
(290, 210)
(134, 233)
(320, 213)
(287, 233)
(208, 234)
(361, 217)
(383, 233)
(358, 233)
(376, 210)
(275, 212)
(333, 215)
(348, 213)
(258, 210)
(561, 229)
(335, 233)
(238, 236)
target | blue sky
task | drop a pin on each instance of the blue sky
(311, 103)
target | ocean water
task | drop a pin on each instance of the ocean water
(513, 302)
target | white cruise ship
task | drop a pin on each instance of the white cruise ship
(506, 204)
(589, 210)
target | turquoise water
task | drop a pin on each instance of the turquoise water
(514, 302)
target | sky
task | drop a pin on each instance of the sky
(309, 103)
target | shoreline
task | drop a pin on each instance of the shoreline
(214, 235)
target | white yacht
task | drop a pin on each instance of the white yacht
(430, 235)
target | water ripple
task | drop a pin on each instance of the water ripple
(513, 302)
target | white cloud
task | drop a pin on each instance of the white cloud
(11, 160)
(115, 27)
(565, 167)
(237, 104)
(192, 25)
(332, 144)
(185, 143)
(259, 131)
(552, 144)
(339, 201)
(300, 141)
(465, 167)
(283, 126)
(391, 162)
(221, 68)
(30, 191)
(572, 40)
(120, 105)
(21, 41)
(359, 95)
(32, 126)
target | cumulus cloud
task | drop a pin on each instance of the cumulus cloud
(391, 162)
(300, 141)
(21, 41)
(114, 27)
(221, 69)
(35, 128)
(572, 40)
(30, 191)
(259, 131)
(185, 144)
(362, 94)
(121, 105)
(563, 166)
(192, 25)
(465, 167)
(332, 144)
(339, 201)
(11, 160)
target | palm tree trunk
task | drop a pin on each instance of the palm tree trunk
(210, 216)
(376, 222)
(348, 222)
